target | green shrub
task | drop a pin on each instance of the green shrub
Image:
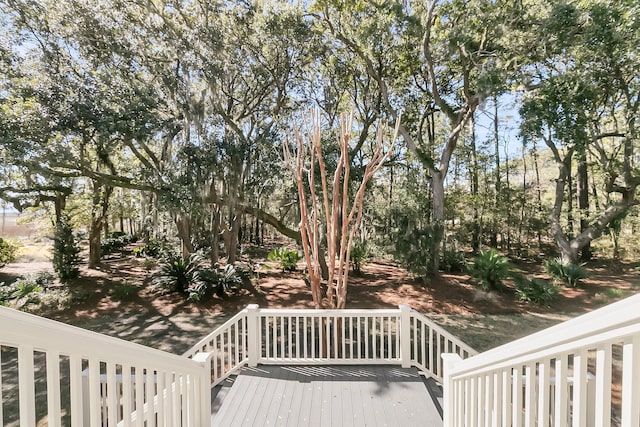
(8, 251)
(538, 291)
(287, 258)
(149, 264)
(489, 269)
(414, 245)
(216, 280)
(453, 261)
(358, 256)
(156, 248)
(65, 251)
(179, 273)
(124, 292)
(566, 272)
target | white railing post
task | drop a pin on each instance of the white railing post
(204, 391)
(449, 360)
(253, 332)
(405, 335)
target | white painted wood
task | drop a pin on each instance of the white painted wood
(53, 387)
(561, 391)
(1, 388)
(603, 386)
(516, 396)
(26, 386)
(543, 393)
(580, 385)
(507, 399)
(127, 395)
(631, 382)
(529, 395)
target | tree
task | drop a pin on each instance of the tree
(438, 58)
(333, 207)
(586, 98)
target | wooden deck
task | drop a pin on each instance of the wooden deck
(326, 396)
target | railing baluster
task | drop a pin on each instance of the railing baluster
(53, 387)
(603, 386)
(488, 404)
(127, 395)
(160, 395)
(507, 397)
(479, 401)
(140, 396)
(529, 395)
(543, 393)
(497, 399)
(580, 388)
(561, 391)
(516, 396)
(112, 395)
(630, 407)
(26, 387)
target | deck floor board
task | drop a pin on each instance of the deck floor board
(324, 396)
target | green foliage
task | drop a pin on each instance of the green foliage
(534, 290)
(149, 264)
(489, 269)
(287, 258)
(453, 261)
(8, 251)
(179, 274)
(566, 272)
(116, 242)
(156, 248)
(217, 279)
(65, 251)
(358, 256)
(414, 247)
(124, 292)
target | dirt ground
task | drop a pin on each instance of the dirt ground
(168, 322)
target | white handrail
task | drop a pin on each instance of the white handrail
(171, 388)
(561, 376)
(332, 337)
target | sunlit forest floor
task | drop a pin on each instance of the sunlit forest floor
(168, 322)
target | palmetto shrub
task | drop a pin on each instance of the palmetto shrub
(178, 273)
(358, 256)
(489, 269)
(566, 272)
(535, 290)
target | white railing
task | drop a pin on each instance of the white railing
(330, 337)
(584, 372)
(72, 376)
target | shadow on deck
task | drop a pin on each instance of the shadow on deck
(327, 396)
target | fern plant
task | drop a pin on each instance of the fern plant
(566, 272)
(489, 269)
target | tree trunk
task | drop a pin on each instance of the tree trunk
(437, 182)
(101, 195)
(475, 235)
(183, 223)
(583, 200)
(498, 184)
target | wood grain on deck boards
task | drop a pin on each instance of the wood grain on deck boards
(325, 396)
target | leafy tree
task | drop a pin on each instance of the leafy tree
(65, 251)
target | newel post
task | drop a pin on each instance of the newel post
(449, 360)
(203, 397)
(253, 336)
(405, 335)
